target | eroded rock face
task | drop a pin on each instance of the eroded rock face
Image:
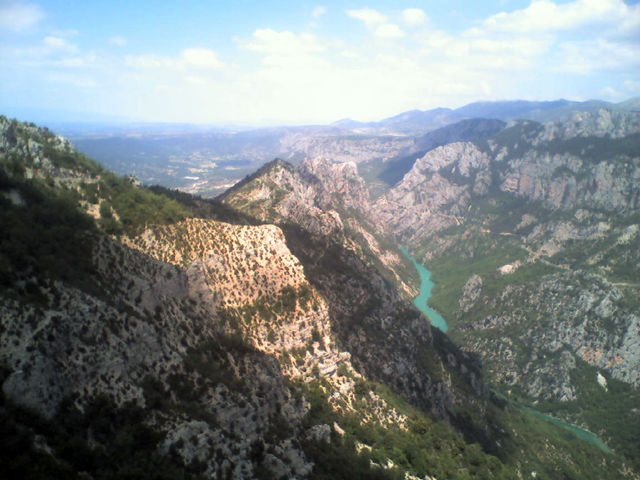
(565, 182)
(435, 192)
(346, 148)
(470, 292)
(587, 160)
(570, 315)
(602, 123)
(439, 187)
(150, 325)
(239, 263)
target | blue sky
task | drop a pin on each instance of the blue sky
(259, 62)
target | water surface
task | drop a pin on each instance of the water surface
(425, 293)
(579, 432)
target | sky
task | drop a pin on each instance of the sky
(296, 62)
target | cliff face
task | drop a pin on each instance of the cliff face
(566, 317)
(317, 204)
(532, 238)
(345, 148)
(590, 161)
(427, 200)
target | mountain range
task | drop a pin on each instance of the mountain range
(207, 161)
(269, 333)
(416, 121)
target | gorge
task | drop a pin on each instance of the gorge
(271, 332)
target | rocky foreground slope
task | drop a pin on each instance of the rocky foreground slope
(150, 334)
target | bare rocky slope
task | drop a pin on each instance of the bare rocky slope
(329, 200)
(149, 334)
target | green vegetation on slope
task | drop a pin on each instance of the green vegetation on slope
(619, 426)
(47, 235)
(527, 444)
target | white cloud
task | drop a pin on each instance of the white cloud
(283, 43)
(53, 52)
(611, 93)
(414, 16)
(377, 23)
(599, 55)
(545, 15)
(52, 43)
(370, 17)
(19, 16)
(117, 40)
(201, 58)
(289, 55)
(389, 30)
(318, 11)
(304, 75)
(483, 52)
(190, 58)
(580, 37)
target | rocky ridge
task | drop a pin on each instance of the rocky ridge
(327, 199)
(216, 349)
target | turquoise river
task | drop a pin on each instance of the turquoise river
(437, 321)
(425, 293)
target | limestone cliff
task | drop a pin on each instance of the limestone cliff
(532, 239)
(141, 335)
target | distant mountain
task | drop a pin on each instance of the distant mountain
(206, 161)
(348, 123)
(633, 104)
(415, 121)
(508, 110)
